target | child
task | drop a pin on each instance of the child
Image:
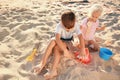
(64, 32)
(90, 24)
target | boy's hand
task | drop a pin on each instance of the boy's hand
(83, 53)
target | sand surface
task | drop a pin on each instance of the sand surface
(24, 23)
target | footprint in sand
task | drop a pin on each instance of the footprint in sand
(3, 22)
(7, 74)
(4, 63)
(112, 18)
(26, 26)
(17, 18)
(108, 68)
(79, 73)
(25, 71)
(21, 58)
(115, 36)
(116, 27)
(18, 35)
(2, 17)
(8, 77)
(3, 34)
(116, 58)
(118, 43)
(29, 17)
(12, 25)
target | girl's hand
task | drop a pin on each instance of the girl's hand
(103, 27)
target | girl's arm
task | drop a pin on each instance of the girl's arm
(81, 27)
(101, 28)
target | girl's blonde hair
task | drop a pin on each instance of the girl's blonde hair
(95, 8)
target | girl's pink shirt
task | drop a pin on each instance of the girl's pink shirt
(89, 36)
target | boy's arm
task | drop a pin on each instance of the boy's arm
(60, 43)
(62, 46)
(82, 44)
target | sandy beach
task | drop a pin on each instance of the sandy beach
(25, 23)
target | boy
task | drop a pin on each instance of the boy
(64, 32)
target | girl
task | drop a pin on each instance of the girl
(90, 24)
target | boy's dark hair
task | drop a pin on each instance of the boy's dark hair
(68, 19)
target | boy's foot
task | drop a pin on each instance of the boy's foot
(37, 69)
(50, 74)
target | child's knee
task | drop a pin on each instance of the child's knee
(53, 42)
(91, 42)
(56, 48)
(96, 47)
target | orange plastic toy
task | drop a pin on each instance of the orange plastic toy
(31, 56)
(87, 58)
(34, 52)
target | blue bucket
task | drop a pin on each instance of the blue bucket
(105, 53)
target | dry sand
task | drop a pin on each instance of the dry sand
(23, 23)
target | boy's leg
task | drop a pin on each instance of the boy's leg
(48, 52)
(45, 57)
(57, 56)
(57, 53)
